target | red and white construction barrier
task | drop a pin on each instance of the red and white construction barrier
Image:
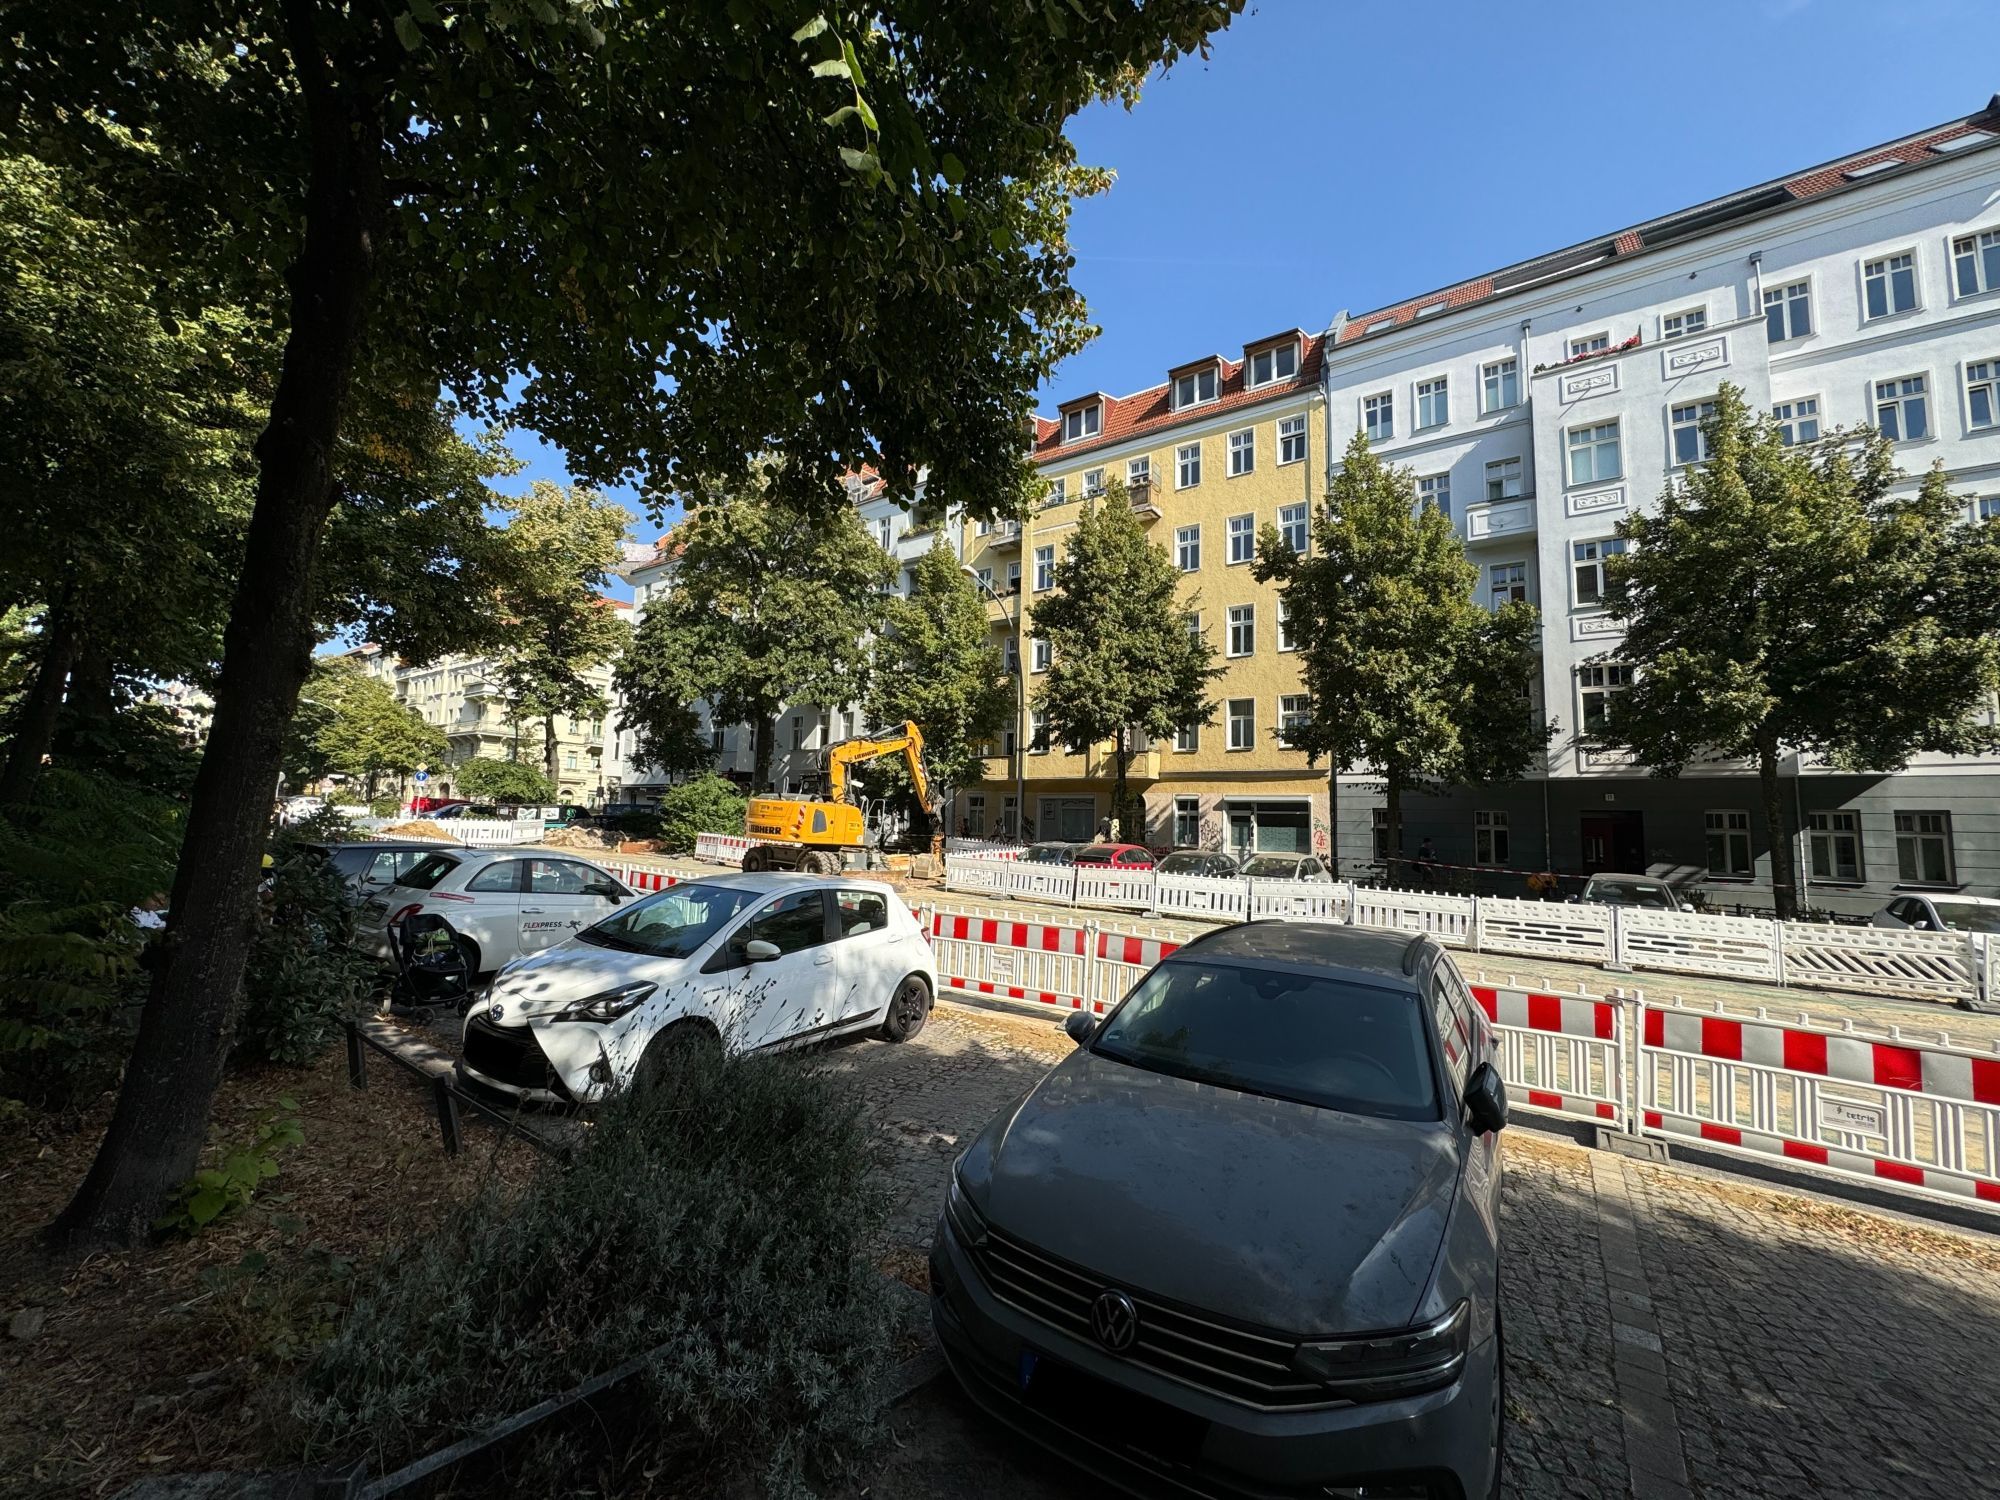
(641, 878)
(721, 848)
(1041, 963)
(1560, 1054)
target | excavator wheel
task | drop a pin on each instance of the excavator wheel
(820, 862)
(753, 860)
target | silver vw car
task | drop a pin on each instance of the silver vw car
(1245, 1240)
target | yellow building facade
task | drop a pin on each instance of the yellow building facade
(1221, 449)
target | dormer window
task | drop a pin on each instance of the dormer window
(1084, 422)
(1279, 363)
(1194, 388)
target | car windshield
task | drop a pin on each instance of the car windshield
(1048, 854)
(1280, 1033)
(1271, 867)
(1968, 916)
(428, 871)
(672, 924)
(1188, 864)
(1629, 893)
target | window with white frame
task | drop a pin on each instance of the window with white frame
(1039, 654)
(1038, 731)
(1598, 683)
(1593, 453)
(1499, 385)
(1292, 526)
(1242, 539)
(1045, 568)
(1975, 263)
(1728, 841)
(1014, 577)
(1490, 844)
(1982, 394)
(1242, 629)
(985, 577)
(1834, 842)
(1058, 491)
(1798, 421)
(1434, 490)
(1507, 582)
(1588, 558)
(1903, 408)
(1267, 365)
(1093, 483)
(1788, 312)
(885, 533)
(975, 813)
(1286, 642)
(1010, 652)
(1292, 713)
(1888, 285)
(1138, 471)
(1187, 466)
(1681, 324)
(1291, 440)
(1193, 619)
(1433, 402)
(1087, 422)
(1242, 451)
(1187, 822)
(1242, 723)
(1187, 548)
(1589, 343)
(1923, 848)
(1690, 442)
(1378, 416)
(1195, 388)
(1987, 508)
(1503, 479)
(1187, 739)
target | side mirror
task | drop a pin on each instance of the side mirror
(1081, 1026)
(1486, 1099)
(760, 952)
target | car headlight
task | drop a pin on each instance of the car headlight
(964, 1219)
(608, 1006)
(1375, 1367)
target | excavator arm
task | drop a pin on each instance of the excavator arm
(908, 742)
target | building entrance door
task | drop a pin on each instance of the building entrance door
(1614, 841)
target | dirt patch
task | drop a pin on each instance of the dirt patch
(163, 1359)
(422, 828)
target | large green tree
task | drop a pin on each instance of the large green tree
(1122, 657)
(490, 780)
(1788, 598)
(360, 729)
(674, 233)
(768, 604)
(1403, 670)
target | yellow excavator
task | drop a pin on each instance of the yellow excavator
(813, 835)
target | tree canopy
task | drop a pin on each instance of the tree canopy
(354, 726)
(489, 780)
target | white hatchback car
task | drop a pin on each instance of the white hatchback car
(503, 903)
(755, 962)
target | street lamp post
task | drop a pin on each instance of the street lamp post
(1020, 695)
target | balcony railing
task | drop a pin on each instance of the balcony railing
(1145, 502)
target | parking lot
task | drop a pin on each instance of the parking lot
(1669, 1333)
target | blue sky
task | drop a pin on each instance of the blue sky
(1334, 155)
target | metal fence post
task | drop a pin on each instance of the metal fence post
(1089, 985)
(447, 1112)
(1631, 1012)
(357, 1057)
(1353, 901)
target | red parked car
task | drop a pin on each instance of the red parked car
(1122, 856)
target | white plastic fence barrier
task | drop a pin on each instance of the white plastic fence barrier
(1202, 898)
(1883, 961)
(1446, 918)
(981, 952)
(721, 848)
(1106, 885)
(1324, 900)
(985, 848)
(481, 832)
(1542, 929)
(1559, 1054)
(1695, 942)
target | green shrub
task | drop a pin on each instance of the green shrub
(719, 1219)
(708, 804)
(304, 978)
(384, 807)
(491, 780)
(232, 1183)
(638, 825)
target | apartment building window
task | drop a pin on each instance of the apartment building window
(1834, 841)
(885, 533)
(1378, 417)
(1045, 568)
(1379, 833)
(985, 578)
(1902, 408)
(1187, 460)
(569, 760)
(975, 813)
(1681, 324)
(1082, 424)
(1433, 402)
(1187, 822)
(1242, 538)
(1975, 262)
(1187, 739)
(1038, 732)
(715, 738)
(1798, 421)
(798, 733)
(1009, 811)
(1194, 623)
(1093, 483)
(1982, 394)
(1589, 343)
(1039, 653)
(1187, 548)
(1058, 493)
(1690, 442)
(1434, 490)
(1889, 285)
(1011, 654)
(1923, 848)
(1593, 453)
(1987, 508)
(1242, 451)
(1490, 845)
(1286, 641)
(1508, 582)
(1292, 712)
(1013, 578)
(1589, 557)
(1599, 683)
(1291, 441)
(1242, 629)
(1500, 385)
(1728, 842)
(1788, 312)
(1193, 390)
(1503, 479)
(1138, 471)
(1242, 723)
(1292, 526)
(1281, 363)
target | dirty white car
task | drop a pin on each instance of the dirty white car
(502, 902)
(748, 962)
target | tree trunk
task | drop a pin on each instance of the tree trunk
(1395, 860)
(1119, 831)
(1784, 883)
(1333, 819)
(85, 723)
(765, 730)
(35, 725)
(161, 1120)
(549, 756)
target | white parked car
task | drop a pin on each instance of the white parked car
(1940, 914)
(503, 903)
(752, 962)
(1285, 867)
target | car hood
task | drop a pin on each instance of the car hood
(541, 983)
(1297, 1219)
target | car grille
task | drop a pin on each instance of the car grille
(508, 1055)
(1236, 1363)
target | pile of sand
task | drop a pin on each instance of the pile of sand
(580, 838)
(422, 828)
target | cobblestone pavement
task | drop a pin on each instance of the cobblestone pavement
(1670, 1335)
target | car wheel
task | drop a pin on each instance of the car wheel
(683, 1044)
(909, 1008)
(470, 949)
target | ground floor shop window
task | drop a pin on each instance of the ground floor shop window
(1489, 839)
(1071, 820)
(1187, 822)
(1008, 812)
(1728, 842)
(1269, 828)
(1923, 847)
(975, 815)
(1835, 839)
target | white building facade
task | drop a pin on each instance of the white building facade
(1541, 403)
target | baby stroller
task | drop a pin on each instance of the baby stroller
(432, 970)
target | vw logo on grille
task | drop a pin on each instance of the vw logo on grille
(1114, 1320)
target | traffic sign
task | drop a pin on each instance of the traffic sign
(422, 777)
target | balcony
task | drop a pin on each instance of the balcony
(1495, 520)
(1140, 765)
(1145, 502)
(1004, 538)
